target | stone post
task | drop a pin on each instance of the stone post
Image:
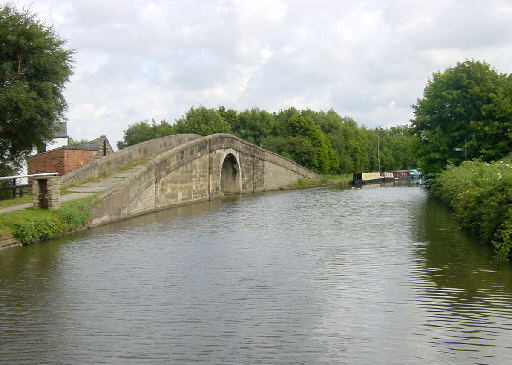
(46, 192)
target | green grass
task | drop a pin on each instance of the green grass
(15, 201)
(133, 164)
(32, 224)
(325, 180)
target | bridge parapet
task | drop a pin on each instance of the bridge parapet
(114, 161)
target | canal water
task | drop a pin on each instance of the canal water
(323, 276)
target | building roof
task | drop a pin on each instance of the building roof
(93, 145)
(60, 130)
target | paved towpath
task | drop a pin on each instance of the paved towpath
(84, 190)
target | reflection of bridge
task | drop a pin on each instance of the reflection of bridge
(184, 169)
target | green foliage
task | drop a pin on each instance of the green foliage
(202, 121)
(10, 201)
(343, 179)
(469, 105)
(480, 194)
(254, 125)
(33, 224)
(74, 215)
(306, 143)
(144, 131)
(34, 66)
(75, 142)
(30, 231)
(321, 141)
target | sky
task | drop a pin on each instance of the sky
(369, 60)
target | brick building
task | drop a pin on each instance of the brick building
(68, 158)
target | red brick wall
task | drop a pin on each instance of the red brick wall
(59, 160)
(76, 158)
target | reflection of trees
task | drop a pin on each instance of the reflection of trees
(460, 267)
(27, 271)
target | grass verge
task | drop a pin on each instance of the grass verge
(34, 224)
(325, 180)
(6, 203)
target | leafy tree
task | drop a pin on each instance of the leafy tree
(74, 142)
(144, 131)
(230, 116)
(34, 66)
(254, 125)
(469, 105)
(305, 142)
(202, 121)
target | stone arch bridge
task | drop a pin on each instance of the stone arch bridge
(182, 169)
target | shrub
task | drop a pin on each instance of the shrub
(74, 215)
(35, 224)
(480, 195)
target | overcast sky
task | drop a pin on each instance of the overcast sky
(370, 60)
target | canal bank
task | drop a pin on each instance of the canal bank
(480, 196)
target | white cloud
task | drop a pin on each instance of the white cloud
(370, 60)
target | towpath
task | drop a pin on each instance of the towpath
(83, 190)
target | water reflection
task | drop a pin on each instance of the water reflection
(465, 294)
(317, 276)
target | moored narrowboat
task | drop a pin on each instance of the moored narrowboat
(415, 174)
(402, 174)
(388, 176)
(366, 177)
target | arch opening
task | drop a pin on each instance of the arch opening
(230, 175)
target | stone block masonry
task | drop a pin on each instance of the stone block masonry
(46, 192)
(201, 168)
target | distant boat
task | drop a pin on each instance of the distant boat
(388, 176)
(402, 174)
(415, 174)
(366, 177)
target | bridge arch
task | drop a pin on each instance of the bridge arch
(230, 174)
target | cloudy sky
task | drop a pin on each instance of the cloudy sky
(370, 60)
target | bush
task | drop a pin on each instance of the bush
(35, 224)
(74, 215)
(480, 195)
(46, 227)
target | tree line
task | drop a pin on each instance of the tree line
(324, 142)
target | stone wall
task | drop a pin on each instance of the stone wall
(191, 172)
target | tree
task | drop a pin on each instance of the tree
(466, 106)
(76, 142)
(254, 125)
(34, 66)
(144, 131)
(203, 121)
(304, 142)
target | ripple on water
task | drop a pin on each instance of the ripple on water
(316, 276)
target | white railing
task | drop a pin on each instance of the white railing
(18, 188)
(33, 175)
